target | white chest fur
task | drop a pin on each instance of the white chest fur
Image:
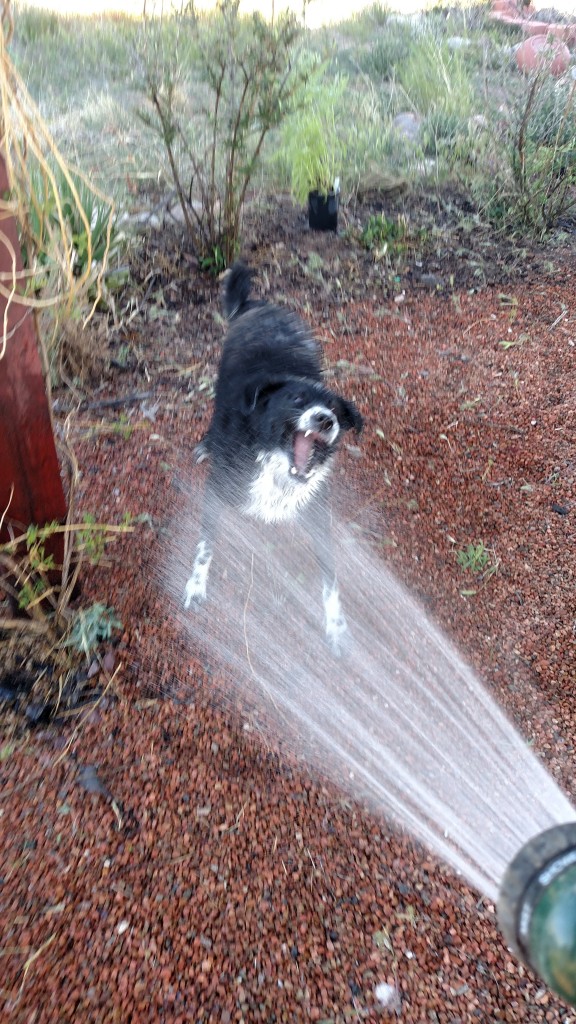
(274, 494)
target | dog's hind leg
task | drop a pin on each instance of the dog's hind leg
(195, 590)
(334, 618)
(319, 523)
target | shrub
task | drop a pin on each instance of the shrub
(473, 558)
(446, 136)
(64, 205)
(436, 78)
(312, 145)
(363, 25)
(27, 566)
(535, 184)
(90, 627)
(347, 123)
(381, 235)
(216, 87)
(370, 140)
(66, 225)
(389, 51)
(43, 590)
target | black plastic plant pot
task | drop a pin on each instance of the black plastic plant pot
(323, 211)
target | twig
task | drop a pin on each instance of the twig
(25, 625)
(32, 958)
(108, 403)
(558, 319)
(69, 579)
(89, 711)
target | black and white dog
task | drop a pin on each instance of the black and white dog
(274, 433)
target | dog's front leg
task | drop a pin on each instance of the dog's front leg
(195, 591)
(320, 527)
(334, 618)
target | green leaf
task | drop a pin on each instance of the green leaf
(382, 940)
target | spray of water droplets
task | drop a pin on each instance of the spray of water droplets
(400, 722)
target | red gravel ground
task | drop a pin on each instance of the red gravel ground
(199, 873)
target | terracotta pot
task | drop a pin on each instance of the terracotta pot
(511, 12)
(543, 50)
(505, 7)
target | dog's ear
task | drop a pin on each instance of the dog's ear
(249, 401)
(348, 416)
(257, 391)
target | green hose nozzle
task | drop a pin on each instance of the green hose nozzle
(537, 907)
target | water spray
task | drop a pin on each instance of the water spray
(537, 907)
(402, 724)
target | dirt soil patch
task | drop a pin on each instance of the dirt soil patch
(163, 861)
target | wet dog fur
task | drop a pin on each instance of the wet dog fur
(273, 437)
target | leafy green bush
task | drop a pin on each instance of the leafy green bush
(216, 86)
(389, 239)
(28, 573)
(446, 136)
(64, 209)
(90, 627)
(91, 221)
(363, 25)
(473, 558)
(436, 78)
(382, 235)
(312, 144)
(34, 25)
(389, 51)
(534, 186)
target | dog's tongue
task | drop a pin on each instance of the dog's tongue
(302, 450)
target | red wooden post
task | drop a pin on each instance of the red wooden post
(31, 489)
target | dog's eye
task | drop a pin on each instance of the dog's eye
(298, 401)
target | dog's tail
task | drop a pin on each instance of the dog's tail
(237, 291)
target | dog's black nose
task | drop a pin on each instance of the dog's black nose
(322, 422)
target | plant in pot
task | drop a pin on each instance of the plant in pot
(313, 151)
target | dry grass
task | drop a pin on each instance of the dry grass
(46, 198)
(319, 12)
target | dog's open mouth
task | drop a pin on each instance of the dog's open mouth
(306, 445)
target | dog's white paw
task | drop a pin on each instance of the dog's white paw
(195, 590)
(194, 593)
(337, 638)
(201, 452)
(336, 625)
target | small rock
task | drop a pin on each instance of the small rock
(89, 779)
(458, 43)
(37, 712)
(431, 281)
(387, 996)
(409, 125)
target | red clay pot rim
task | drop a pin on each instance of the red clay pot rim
(503, 11)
